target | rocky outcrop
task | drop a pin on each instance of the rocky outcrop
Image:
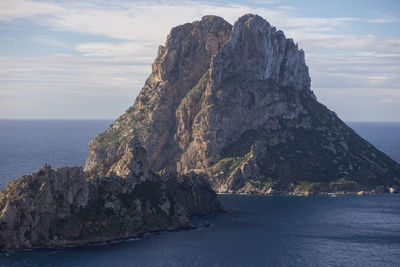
(179, 65)
(235, 103)
(69, 207)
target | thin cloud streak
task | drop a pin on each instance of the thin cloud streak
(61, 72)
(117, 49)
(51, 42)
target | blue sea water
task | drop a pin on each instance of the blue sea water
(26, 144)
(346, 230)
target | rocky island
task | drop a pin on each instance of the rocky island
(235, 104)
(228, 108)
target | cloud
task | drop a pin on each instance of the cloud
(148, 22)
(65, 74)
(144, 20)
(63, 86)
(50, 41)
(364, 43)
(354, 71)
(339, 63)
(386, 19)
(26, 9)
(117, 49)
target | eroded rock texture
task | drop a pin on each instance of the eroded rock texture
(236, 104)
(69, 207)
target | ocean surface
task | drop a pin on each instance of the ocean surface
(346, 230)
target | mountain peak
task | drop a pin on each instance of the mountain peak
(236, 104)
(258, 51)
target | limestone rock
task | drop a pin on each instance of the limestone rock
(69, 207)
(236, 104)
(179, 66)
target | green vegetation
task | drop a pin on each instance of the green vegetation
(144, 130)
(243, 145)
(219, 93)
(227, 166)
(108, 138)
(342, 181)
(261, 184)
(305, 186)
(195, 94)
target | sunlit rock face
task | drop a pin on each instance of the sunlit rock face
(235, 104)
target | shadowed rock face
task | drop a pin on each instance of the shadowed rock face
(68, 207)
(236, 104)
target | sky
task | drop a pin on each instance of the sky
(89, 59)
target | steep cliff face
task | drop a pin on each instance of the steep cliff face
(242, 92)
(119, 196)
(178, 67)
(69, 207)
(236, 104)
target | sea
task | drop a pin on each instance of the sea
(346, 230)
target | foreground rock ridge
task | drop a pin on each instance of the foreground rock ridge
(235, 104)
(52, 208)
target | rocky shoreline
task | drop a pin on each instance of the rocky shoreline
(307, 189)
(136, 236)
(305, 194)
(66, 206)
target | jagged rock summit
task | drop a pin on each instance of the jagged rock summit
(236, 104)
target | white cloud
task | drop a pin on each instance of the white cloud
(150, 22)
(63, 86)
(354, 71)
(386, 19)
(26, 9)
(144, 20)
(117, 49)
(365, 43)
(50, 41)
(346, 62)
(68, 74)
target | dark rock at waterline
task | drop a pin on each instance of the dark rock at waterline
(61, 207)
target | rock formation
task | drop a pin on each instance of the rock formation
(236, 104)
(69, 207)
(232, 104)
